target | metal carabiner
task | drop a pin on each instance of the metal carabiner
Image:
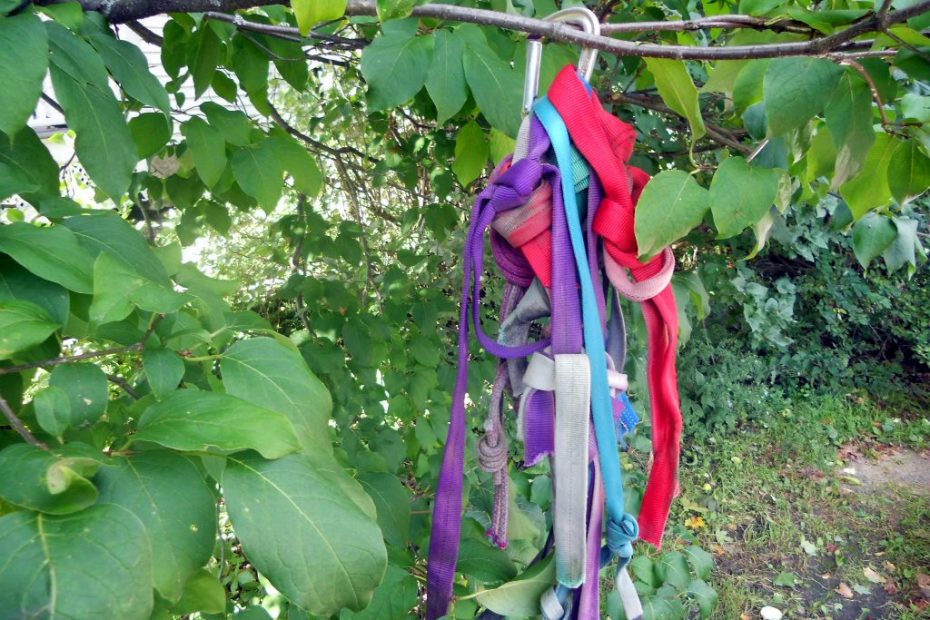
(579, 16)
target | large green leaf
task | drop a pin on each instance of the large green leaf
(206, 50)
(849, 117)
(52, 253)
(86, 387)
(395, 65)
(672, 568)
(309, 13)
(18, 283)
(129, 66)
(23, 63)
(796, 90)
(258, 172)
(495, 85)
(869, 189)
(678, 92)
(37, 479)
(118, 288)
(270, 374)
(445, 81)
(471, 153)
(73, 56)
(872, 235)
(671, 204)
(908, 172)
(298, 162)
(108, 232)
(150, 131)
(23, 324)
(304, 532)
(233, 124)
(392, 502)
(169, 495)
(394, 598)
(204, 593)
(520, 597)
(741, 195)
(96, 563)
(103, 142)
(53, 410)
(705, 596)
(208, 147)
(27, 167)
(164, 369)
(196, 421)
(904, 249)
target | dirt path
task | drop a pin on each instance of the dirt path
(905, 468)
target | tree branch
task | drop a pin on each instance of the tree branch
(18, 425)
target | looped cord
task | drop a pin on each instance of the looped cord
(621, 533)
(645, 288)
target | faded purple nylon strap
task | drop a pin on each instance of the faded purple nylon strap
(508, 190)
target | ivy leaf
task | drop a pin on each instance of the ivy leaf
(672, 203)
(869, 189)
(495, 85)
(23, 324)
(309, 13)
(705, 596)
(471, 153)
(872, 235)
(86, 387)
(908, 172)
(445, 81)
(103, 143)
(39, 480)
(208, 148)
(273, 375)
(678, 92)
(520, 597)
(169, 495)
(164, 370)
(298, 507)
(46, 568)
(794, 91)
(741, 195)
(23, 63)
(394, 598)
(395, 65)
(849, 118)
(130, 68)
(196, 421)
(53, 410)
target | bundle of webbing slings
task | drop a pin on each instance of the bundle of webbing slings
(560, 216)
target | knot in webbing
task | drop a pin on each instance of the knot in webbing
(620, 536)
(512, 188)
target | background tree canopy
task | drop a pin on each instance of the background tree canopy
(229, 263)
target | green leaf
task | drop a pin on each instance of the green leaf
(702, 563)
(520, 597)
(672, 568)
(150, 131)
(392, 502)
(250, 65)
(23, 63)
(908, 172)
(705, 596)
(485, 562)
(644, 570)
(206, 52)
(849, 118)
(103, 143)
(471, 153)
(169, 495)
(71, 55)
(872, 235)
(195, 421)
(130, 68)
(678, 92)
(309, 13)
(672, 203)
(396, 9)
(108, 232)
(295, 508)
(23, 324)
(445, 81)
(869, 189)
(395, 66)
(92, 564)
(27, 166)
(748, 86)
(52, 253)
(394, 598)
(18, 283)
(208, 148)
(500, 145)
(904, 249)
(741, 195)
(204, 593)
(233, 124)
(258, 172)
(164, 370)
(118, 289)
(268, 373)
(297, 161)
(786, 579)
(53, 410)
(495, 85)
(795, 90)
(86, 387)
(37, 479)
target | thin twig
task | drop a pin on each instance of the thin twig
(67, 359)
(849, 62)
(728, 22)
(18, 425)
(123, 383)
(145, 34)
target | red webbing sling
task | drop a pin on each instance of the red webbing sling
(607, 143)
